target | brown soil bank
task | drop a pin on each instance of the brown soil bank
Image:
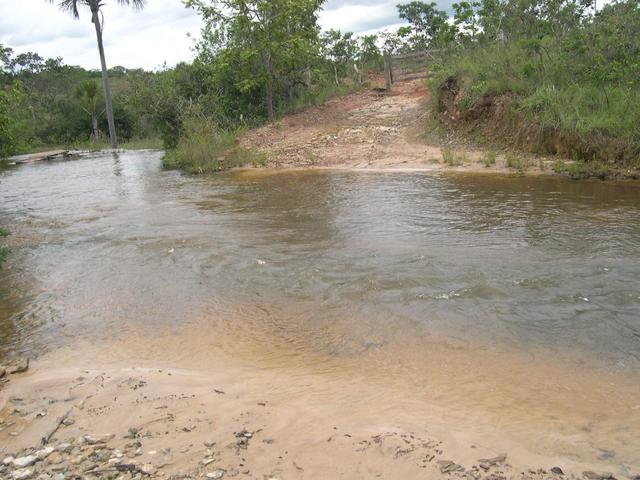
(494, 118)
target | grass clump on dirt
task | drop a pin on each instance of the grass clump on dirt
(489, 159)
(452, 158)
(204, 147)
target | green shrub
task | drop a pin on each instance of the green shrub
(452, 158)
(558, 166)
(489, 159)
(203, 147)
(516, 162)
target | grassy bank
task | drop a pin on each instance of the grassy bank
(573, 92)
(203, 147)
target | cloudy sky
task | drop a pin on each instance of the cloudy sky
(150, 37)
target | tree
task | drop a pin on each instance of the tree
(95, 6)
(341, 49)
(87, 95)
(272, 39)
(429, 25)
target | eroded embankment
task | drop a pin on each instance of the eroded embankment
(496, 120)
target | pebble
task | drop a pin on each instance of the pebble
(487, 463)
(22, 474)
(557, 471)
(447, 466)
(598, 476)
(95, 439)
(148, 469)
(27, 461)
(20, 367)
(45, 452)
(216, 474)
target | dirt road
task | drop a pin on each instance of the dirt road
(365, 130)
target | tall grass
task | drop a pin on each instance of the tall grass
(551, 92)
(204, 147)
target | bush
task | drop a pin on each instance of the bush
(203, 147)
(489, 159)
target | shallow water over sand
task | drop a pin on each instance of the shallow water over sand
(515, 299)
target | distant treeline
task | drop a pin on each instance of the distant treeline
(255, 60)
(555, 76)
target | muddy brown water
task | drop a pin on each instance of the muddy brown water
(516, 298)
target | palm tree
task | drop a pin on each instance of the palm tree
(87, 95)
(71, 6)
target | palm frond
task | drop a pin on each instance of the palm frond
(137, 4)
(70, 6)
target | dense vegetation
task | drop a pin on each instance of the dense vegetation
(553, 76)
(255, 61)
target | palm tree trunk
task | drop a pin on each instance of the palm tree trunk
(94, 127)
(105, 82)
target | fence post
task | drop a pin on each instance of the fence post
(387, 71)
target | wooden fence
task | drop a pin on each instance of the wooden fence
(406, 66)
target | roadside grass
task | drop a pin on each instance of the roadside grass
(489, 158)
(4, 253)
(517, 162)
(204, 148)
(452, 158)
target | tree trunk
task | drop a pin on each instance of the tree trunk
(291, 89)
(94, 127)
(269, 89)
(105, 81)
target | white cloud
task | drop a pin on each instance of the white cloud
(153, 36)
(146, 38)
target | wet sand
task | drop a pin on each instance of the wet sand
(177, 404)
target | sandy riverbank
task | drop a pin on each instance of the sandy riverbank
(186, 405)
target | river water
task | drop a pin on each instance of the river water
(379, 270)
